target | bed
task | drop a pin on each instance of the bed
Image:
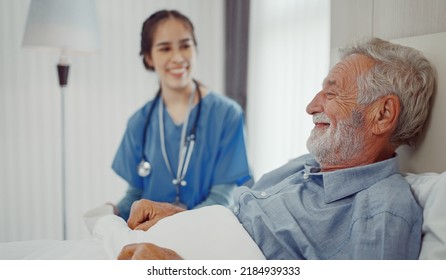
(424, 167)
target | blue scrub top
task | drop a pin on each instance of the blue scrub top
(219, 155)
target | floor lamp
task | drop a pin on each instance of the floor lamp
(70, 27)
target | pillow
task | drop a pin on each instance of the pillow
(207, 233)
(429, 190)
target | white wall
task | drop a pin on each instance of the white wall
(103, 91)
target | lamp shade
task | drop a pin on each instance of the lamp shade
(67, 25)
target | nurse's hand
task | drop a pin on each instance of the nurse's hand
(147, 251)
(145, 213)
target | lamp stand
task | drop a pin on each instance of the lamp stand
(70, 27)
(62, 71)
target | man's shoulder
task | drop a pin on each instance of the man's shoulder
(391, 195)
(391, 185)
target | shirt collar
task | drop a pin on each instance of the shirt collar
(345, 182)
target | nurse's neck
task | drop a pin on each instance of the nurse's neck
(176, 97)
(177, 102)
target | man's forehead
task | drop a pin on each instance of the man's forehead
(334, 78)
(347, 70)
(329, 81)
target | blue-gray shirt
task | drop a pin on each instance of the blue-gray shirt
(365, 212)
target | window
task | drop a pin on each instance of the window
(289, 52)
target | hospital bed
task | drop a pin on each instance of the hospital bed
(424, 167)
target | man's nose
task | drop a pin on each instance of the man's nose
(315, 105)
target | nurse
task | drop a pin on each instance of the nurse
(186, 146)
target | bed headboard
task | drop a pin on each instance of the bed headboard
(429, 155)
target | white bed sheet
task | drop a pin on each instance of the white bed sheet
(85, 249)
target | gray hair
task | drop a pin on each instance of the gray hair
(401, 71)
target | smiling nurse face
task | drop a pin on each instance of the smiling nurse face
(173, 55)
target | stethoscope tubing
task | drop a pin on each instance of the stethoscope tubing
(182, 150)
(144, 167)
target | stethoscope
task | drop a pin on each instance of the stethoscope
(187, 143)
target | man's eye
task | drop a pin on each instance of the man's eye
(185, 46)
(330, 95)
(165, 49)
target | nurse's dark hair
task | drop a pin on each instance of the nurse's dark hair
(149, 27)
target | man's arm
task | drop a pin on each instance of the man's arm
(145, 213)
(147, 251)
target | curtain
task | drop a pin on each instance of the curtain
(236, 34)
(289, 48)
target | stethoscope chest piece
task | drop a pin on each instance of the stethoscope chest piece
(182, 183)
(144, 168)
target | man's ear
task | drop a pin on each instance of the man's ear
(148, 60)
(386, 112)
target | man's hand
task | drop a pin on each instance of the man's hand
(145, 213)
(147, 251)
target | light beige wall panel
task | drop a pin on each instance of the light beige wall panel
(388, 19)
(350, 19)
(402, 18)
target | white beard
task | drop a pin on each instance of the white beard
(337, 146)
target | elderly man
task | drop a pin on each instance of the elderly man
(346, 199)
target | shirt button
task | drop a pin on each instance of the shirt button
(306, 175)
(263, 194)
(235, 209)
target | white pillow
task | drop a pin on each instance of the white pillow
(207, 233)
(430, 191)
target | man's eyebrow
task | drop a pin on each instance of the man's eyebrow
(328, 82)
